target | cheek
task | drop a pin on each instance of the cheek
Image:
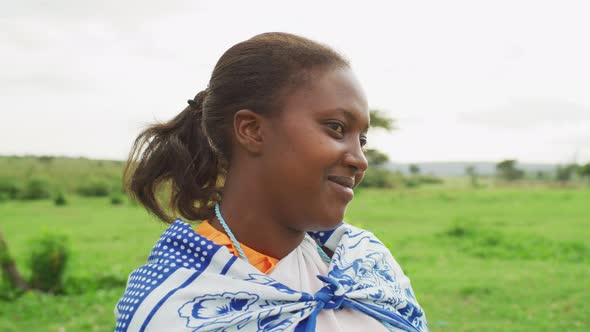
(304, 155)
(298, 143)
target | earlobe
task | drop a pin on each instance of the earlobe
(248, 130)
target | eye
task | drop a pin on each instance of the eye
(363, 141)
(336, 127)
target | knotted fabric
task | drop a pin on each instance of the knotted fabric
(330, 296)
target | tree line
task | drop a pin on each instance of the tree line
(507, 170)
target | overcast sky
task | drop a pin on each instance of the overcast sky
(465, 80)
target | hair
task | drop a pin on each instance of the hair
(191, 153)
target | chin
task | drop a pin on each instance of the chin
(328, 220)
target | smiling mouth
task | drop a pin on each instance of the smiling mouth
(342, 180)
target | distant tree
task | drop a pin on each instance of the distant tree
(414, 169)
(540, 175)
(564, 174)
(584, 171)
(377, 175)
(376, 158)
(507, 170)
(473, 176)
(380, 120)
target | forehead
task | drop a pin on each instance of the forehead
(324, 91)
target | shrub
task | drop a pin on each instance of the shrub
(94, 188)
(36, 188)
(10, 188)
(378, 178)
(383, 178)
(60, 199)
(45, 159)
(49, 257)
(116, 200)
(459, 230)
(429, 179)
(411, 182)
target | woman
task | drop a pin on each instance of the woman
(267, 157)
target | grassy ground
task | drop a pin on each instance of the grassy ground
(479, 260)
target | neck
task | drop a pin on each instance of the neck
(252, 219)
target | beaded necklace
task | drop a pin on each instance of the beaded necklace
(238, 247)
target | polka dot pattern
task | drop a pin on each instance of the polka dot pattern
(322, 237)
(178, 247)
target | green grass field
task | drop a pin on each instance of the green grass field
(479, 260)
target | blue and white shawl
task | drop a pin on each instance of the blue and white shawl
(192, 284)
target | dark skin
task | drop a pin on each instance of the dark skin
(294, 171)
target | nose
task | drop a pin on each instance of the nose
(356, 159)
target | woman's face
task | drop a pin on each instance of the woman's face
(314, 151)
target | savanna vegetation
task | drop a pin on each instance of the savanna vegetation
(484, 253)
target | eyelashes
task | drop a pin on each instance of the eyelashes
(339, 129)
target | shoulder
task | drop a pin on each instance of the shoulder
(179, 253)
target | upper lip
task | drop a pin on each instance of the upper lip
(342, 180)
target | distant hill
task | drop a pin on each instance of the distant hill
(458, 168)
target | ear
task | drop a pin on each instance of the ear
(248, 130)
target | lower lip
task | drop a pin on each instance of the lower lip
(345, 192)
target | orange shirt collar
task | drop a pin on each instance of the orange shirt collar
(263, 263)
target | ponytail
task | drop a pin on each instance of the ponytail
(176, 153)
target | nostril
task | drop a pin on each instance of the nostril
(363, 164)
(358, 163)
